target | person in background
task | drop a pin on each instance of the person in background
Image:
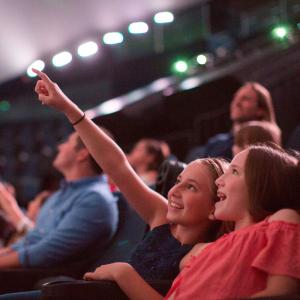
(81, 213)
(251, 102)
(255, 132)
(146, 158)
(12, 229)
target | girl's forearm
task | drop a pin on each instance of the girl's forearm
(135, 287)
(104, 150)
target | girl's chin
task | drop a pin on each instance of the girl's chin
(174, 218)
(170, 218)
(212, 217)
(216, 215)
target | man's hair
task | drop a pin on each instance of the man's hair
(273, 180)
(264, 101)
(94, 165)
(159, 151)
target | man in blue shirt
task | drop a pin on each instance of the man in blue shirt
(81, 213)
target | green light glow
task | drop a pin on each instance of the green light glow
(4, 106)
(180, 66)
(280, 32)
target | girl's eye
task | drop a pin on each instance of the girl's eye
(177, 181)
(191, 187)
(235, 172)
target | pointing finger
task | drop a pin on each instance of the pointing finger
(42, 75)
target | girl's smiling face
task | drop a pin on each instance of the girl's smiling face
(191, 199)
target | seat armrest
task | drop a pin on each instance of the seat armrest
(94, 290)
(24, 279)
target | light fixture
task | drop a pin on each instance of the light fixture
(163, 17)
(110, 106)
(190, 83)
(138, 27)
(280, 32)
(112, 38)
(62, 59)
(38, 64)
(4, 106)
(201, 59)
(87, 49)
(180, 66)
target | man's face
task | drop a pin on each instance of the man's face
(139, 155)
(244, 106)
(67, 153)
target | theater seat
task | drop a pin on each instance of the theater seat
(167, 176)
(94, 290)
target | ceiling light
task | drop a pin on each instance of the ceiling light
(112, 38)
(180, 66)
(87, 49)
(201, 59)
(164, 17)
(38, 64)
(138, 27)
(62, 59)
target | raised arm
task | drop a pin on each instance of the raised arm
(12, 210)
(150, 205)
(9, 258)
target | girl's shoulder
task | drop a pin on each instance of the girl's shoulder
(198, 248)
(195, 251)
(286, 215)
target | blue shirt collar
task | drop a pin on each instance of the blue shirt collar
(82, 181)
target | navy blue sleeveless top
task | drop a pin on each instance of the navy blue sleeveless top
(158, 255)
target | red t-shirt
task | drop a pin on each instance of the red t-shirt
(237, 265)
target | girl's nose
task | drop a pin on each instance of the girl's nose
(174, 191)
(219, 181)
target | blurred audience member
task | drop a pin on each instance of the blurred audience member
(6, 229)
(251, 102)
(82, 213)
(254, 132)
(11, 231)
(146, 157)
